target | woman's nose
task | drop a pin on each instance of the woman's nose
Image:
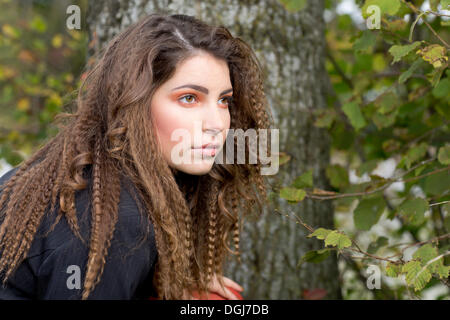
(213, 132)
(215, 119)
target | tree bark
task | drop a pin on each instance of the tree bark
(291, 46)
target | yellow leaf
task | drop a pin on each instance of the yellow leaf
(75, 34)
(9, 31)
(23, 104)
(55, 98)
(68, 78)
(57, 41)
(378, 62)
(13, 135)
(434, 54)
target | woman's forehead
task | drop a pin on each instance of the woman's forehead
(203, 73)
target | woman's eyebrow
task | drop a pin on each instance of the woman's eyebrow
(200, 88)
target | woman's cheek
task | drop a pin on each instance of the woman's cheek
(172, 122)
(229, 120)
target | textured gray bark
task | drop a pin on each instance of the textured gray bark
(291, 47)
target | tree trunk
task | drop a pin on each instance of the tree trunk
(292, 49)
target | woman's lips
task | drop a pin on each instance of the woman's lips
(208, 145)
(208, 150)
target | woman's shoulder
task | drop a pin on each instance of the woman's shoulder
(130, 203)
(131, 255)
(133, 224)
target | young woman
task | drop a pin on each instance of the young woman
(136, 221)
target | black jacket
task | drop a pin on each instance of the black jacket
(55, 265)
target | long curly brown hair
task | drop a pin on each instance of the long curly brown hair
(193, 216)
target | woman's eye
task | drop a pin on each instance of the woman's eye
(190, 96)
(228, 100)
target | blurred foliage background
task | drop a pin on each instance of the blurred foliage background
(41, 62)
(388, 115)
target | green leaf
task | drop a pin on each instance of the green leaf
(425, 253)
(353, 112)
(444, 155)
(414, 154)
(416, 275)
(413, 210)
(398, 51)
(294, 5)
(324, 117)
(379, 62)
(384, 120)
(408, 73)
(428, 252)
(339, 239)
(442, 89)
(418, 170)
(397, 25)
(315, 256)
(38, 24)
(363, 62)
(304, 181)
(393, 270)
(387, 102)
(368, 212)
(386, 7)
(437, 183)
(292, 194)
(367, 166)
(445, 4)
(434, 5)
(435, 76)
(320, 233)
(338, 176)
(366, 42)
(376, 245)
(441, 270)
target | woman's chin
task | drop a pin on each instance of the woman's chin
(196, 169)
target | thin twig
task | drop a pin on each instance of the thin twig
(444, 236)
(420, 13)
(437, 13)
(438, 203)
(298, 220)
(338, 69)
(388, 183)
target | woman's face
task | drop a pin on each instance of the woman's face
(191, 110)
